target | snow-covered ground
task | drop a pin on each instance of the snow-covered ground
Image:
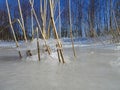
(93, 69)
(81, 42)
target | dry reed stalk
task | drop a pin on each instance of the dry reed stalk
(59, 44)
(34, 13)
(38, 46)
(10, 21)
(71, 35)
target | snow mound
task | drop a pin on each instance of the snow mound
(33, 44)
(53, 58)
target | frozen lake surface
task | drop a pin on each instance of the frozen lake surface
(93, 69)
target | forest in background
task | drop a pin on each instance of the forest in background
(89, 18)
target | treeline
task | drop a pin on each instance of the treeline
(89, 18)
